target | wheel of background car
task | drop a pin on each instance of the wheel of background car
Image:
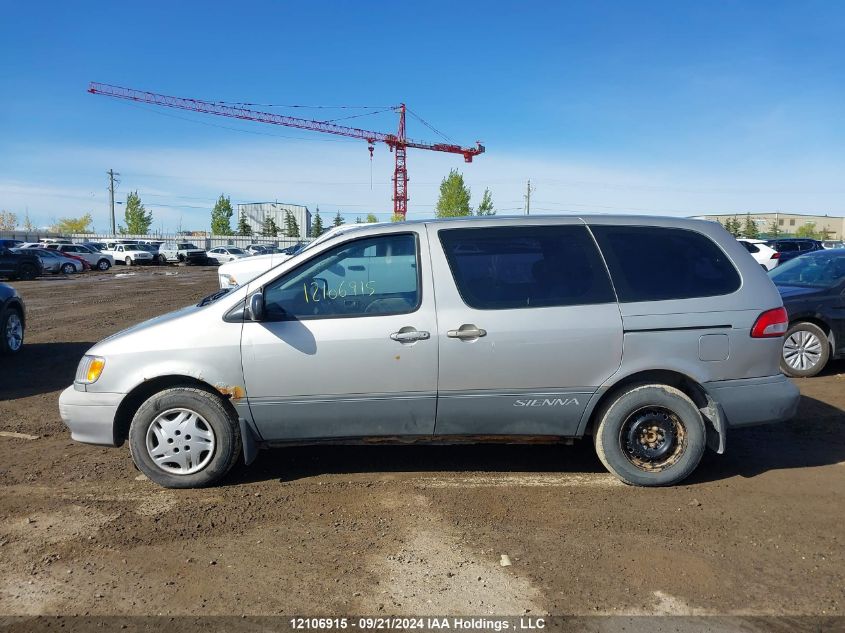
(181, 257)
(162, 259)
(103, 264)
(27, 272)
(128, 261)
(184, 438)
(11, 331)
(68, 269)
(650, 435)
(806, 350)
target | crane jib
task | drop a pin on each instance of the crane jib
(398, 143)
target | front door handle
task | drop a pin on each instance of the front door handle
(409, 335)
(467, 331)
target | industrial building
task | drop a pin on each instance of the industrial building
(786, 223)
(258, 212)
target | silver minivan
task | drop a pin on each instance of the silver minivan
(653, 336)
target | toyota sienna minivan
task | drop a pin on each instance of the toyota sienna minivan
(653, 336)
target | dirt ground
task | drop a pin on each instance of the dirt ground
(399, 530)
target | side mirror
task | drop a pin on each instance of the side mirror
(256, 307)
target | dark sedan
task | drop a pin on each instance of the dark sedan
(792, 247)
(813, 291)
(12, 320)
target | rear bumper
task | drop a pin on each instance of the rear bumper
(753, 401)
(89, 416)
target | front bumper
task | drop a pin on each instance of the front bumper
(753, 401)
(89, 416)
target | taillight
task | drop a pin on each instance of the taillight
(775, 255)
(770, 324)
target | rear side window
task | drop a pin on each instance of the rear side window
(751, 248)
(656, 263)
(512, 267)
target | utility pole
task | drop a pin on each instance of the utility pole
(528, 190)
(112, 174)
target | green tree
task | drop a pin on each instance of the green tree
(28, 226)
(138, 220)
(485, 207)
(221, 214)
(358, 220)
(74, 225)
(371, 218)
(454, 196)
(825, 233)
(774, 229)
(750, 229)
(733, 226)
(8, 221)
(338, 220)
(317, 224)
(807, 230)
(397, 217)
(243, 225)
(269, 227)
(291, 225)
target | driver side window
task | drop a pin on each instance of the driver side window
(368, 277)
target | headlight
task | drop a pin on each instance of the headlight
(89, 370)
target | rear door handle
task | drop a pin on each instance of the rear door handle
(409, 336)
(467, 331)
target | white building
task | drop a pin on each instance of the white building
(258, 212)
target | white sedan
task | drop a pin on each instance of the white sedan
(223, 254)
(764, 255)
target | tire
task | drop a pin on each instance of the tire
(162, 260)
(11, 332)
(805, 350)
(211, 417)
(181, 258)
(103, 264)
(128, 261)
(655, 413)
(68, 269)
(27, 272)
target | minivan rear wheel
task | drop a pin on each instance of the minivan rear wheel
(184, 437)
(650, 435)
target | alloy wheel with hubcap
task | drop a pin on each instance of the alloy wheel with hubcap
(103, 264)
(68, 269)
(805, 350)
(12, 333)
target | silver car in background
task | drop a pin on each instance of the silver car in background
(53, 261)
(652, 336)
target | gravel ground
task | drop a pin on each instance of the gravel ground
(397, 529)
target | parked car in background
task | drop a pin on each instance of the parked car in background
(762, 253)
(95, 246)
(184, 252)
(152, 249)
(128, 253)
(256, 249)
(241, 271)
(12, 320)
(96, 259)
(813, 291)
(10, 243)
(19, 264)
(792, 247)
(53, 261)
(652, 336)
(223, 254)
(833, 244)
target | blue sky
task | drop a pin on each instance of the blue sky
(663, 107)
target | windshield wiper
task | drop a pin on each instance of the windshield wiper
(213, 297)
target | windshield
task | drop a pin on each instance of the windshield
(821, 269)
(236, 251)
(185, 245)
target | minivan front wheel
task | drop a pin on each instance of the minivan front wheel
(184, 438)
(650, 435)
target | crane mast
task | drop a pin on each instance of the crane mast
(398, 143)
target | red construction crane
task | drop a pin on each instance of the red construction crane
(398, 143)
